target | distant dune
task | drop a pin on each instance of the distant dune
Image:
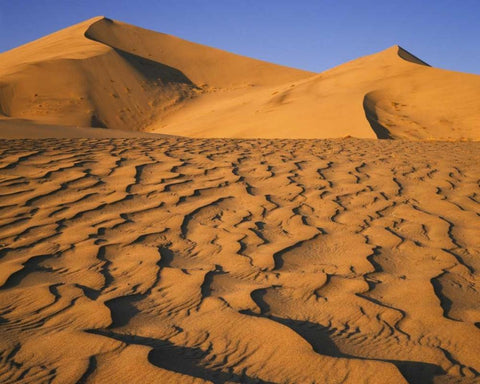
(107, 74)
(387, 95)
(103, 73)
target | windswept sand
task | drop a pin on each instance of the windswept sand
(255, 261)
(105, 73)
(132, 257)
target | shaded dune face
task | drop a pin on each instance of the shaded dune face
(249, 261)
(405, 55)
(108, 74)
(369, 105)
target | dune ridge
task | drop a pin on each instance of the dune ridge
(85, 76)
(108, 74)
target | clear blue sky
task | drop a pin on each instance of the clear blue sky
(308, 34)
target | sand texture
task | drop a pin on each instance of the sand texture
(107, 74)
(239, 261)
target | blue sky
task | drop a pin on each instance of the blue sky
(307, 34)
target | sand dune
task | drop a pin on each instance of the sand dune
(19, 128)
(102, 73)
(252, 261)
(105, 73)
(385, 95)
(131, 254)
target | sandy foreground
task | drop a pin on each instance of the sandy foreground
(178, 260)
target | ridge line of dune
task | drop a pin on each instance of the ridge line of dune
(218, 50)
(407, 56)
(116, 75)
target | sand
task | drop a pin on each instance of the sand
(379, 96)
(145, 239)
(107, 74)
(104, 73)
(267, 261)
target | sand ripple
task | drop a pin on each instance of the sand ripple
(253, 261)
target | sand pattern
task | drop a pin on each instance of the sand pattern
(252, 261)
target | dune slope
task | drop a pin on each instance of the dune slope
(390, 94)
(105, 73)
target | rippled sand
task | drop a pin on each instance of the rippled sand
(252, 261)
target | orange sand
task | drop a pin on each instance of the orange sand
(132, 257)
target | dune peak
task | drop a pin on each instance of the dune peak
(105, 73)
(408, 56)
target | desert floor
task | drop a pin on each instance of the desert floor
(253, 261)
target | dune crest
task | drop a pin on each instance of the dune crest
(103, 73)
(108, 74)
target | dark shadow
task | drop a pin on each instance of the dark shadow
(91, 293)
(155, 71)
(405, 55)
(95, 122)
(206, 287)
(92, 366)
(101, 255)
(4, 252)
(316, 335)
(166, 256)
(278, 257)
(371, 115)
(371, 259)
(30, 266)
(183, 360)
(445, 302)
(417, 372)
(122, 309)
(319, 337)
(257, 296)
